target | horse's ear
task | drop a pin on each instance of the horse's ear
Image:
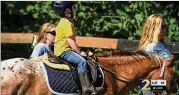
(34, 41)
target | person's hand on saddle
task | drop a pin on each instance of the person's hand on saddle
(82, 53)
(171, 58)
(168, 61)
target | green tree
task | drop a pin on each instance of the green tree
(111, 19)
(108, 19)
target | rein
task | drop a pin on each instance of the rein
(123, 79)
(162, 71)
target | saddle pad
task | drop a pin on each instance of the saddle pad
(56, 66)
(60, 82)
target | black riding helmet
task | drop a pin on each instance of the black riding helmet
(60, 6)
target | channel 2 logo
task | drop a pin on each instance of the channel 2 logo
(147, 85)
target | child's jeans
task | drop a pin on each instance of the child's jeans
(76, 59)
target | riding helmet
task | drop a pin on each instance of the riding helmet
(60, 6)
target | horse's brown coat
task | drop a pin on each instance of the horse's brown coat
(30, 80)
(133, 66)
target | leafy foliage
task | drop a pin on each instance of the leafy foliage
(112, 19)
(26, 16)
(122, 19)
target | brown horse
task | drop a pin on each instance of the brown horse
(26, 77)
(125, 69)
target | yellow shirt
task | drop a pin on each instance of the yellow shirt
(64, 30)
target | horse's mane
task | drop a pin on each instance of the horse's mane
(122, 53)
(118, 53)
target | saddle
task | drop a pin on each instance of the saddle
(66, 76)
(55, 62)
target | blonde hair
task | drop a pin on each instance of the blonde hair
(151, 30)
(43, 30)
(42, 33)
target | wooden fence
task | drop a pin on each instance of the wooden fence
(94, 42)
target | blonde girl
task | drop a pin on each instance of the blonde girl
(152, 36)
(45, 40)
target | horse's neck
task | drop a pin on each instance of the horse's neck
(129, 66)
(127, 60)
